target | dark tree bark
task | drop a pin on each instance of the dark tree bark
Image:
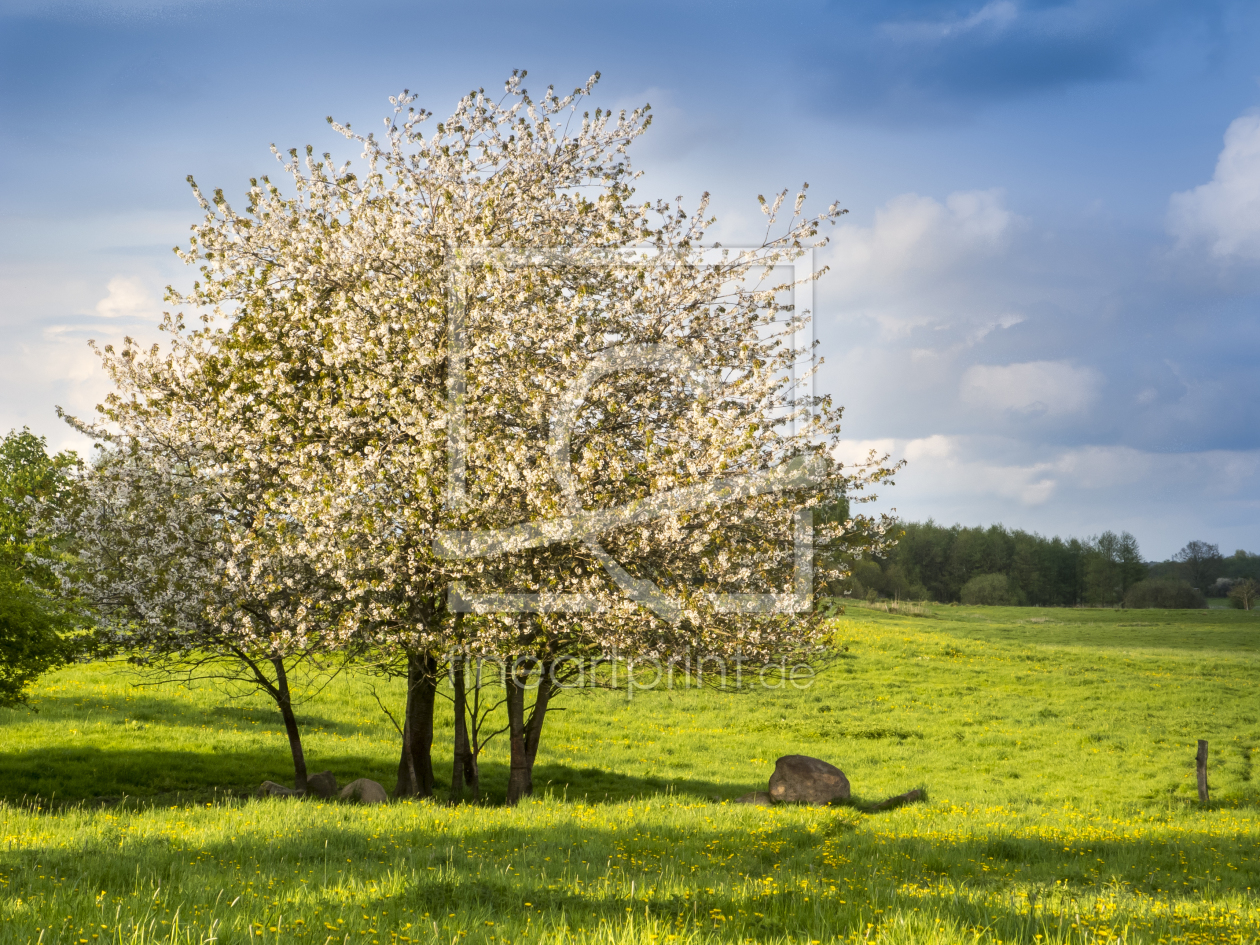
(285, 702)
(525, 733)
(1200, 764)
(415, 764)
(465, 776)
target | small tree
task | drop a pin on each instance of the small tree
(38, 630)
(183, 543)
(1201, 562)
(1113, 564)
(1132, 567)
(1243, 593)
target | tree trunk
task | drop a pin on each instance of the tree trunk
(519, 780)
(533, 730)
(285, 702)
(472, 765)
(1200, 765)
(464, 770)
(415, 764)
(525, 734)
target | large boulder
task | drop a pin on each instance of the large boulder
(322, 785)
(364, 791)
(271, 789)
(800, 779)
(757, 798)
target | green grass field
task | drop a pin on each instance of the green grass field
(1057, 747)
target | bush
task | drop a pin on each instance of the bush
(991, 589)
(869, 576)
(895, 583)
(1167, 593)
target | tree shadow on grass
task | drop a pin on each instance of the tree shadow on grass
(62, 775)
(68, 774)
(393, 870)
(595, 785)
(148, 709)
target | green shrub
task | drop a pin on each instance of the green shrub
(869, 576)
(991, 589)
(895, 583)
(1167, 593)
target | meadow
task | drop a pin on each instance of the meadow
(1057, 747)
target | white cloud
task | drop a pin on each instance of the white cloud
(47, 317)
(1051, 388)
(945, 463)
(917, 263)
(127, 298)
(918, 234)
(1009, 320)
(994, 17)
(1225, 212)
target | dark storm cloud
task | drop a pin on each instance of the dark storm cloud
(896, 58)
(907, 61)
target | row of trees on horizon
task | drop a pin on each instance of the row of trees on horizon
(997, 565)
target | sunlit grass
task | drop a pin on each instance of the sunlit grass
(645, 871)
(1057, 746)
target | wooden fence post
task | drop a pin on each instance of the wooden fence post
(1200, 764)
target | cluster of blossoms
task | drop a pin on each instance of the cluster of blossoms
(470, 398)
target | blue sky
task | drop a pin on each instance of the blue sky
(1044, 296)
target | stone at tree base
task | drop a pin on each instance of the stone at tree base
(322, 785)
(364, 791)
(757, 798)
(800, 779)
(271, 789)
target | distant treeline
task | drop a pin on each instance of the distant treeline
(996, 565)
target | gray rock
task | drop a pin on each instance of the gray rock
(364, 791)
(758, 798)
(799, 779)
(322, 785)
(271, 789)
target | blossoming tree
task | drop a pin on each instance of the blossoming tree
(641, 458)
(183, 543)
(475, 376)
(330, 306)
